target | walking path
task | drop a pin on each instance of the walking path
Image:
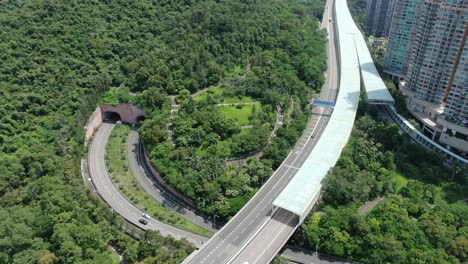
(368, 206)
(174, 109)
(279, 123)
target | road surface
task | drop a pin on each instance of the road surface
(147, 183)
(227, 245)
(299, 256)
(114, 198)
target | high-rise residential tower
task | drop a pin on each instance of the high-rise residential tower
(435, 68)
(404, 12)
(379, 14)
(437, 35)
(456, 108)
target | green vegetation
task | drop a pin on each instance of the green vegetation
(217, 95)
(270, 52)
(421, 220)
(115, 96)
(358, 11)
(116, 161)
(60, 57)
(241, 113)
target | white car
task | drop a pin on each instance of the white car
(145, 215)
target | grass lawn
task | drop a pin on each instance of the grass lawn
(215, 91)
(243, 99)
(240, 115)
(220, 98)
(399, 181)
(117, 164)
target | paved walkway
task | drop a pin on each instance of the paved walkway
(174, 109)
(368, 206)
(279, 122)
(299, 256)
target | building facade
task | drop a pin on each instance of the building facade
(399, 36)
(434, 67)
(379, 14)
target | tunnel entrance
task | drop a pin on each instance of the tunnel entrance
(126, 113)
(140, 119)
(111, 117)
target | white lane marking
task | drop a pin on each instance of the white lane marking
(292, 167)
(273, 240)
(327, 94)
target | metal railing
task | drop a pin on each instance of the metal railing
(420, 138)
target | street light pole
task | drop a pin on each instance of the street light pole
(316, 247)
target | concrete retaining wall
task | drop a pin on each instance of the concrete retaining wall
(128, 113)
(93, 123)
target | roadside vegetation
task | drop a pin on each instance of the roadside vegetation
(423, 218)
(234, 115)
(358, 11)
(60, 57)
(122, 177)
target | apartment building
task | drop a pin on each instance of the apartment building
(401, 27)
(379, 14)
(434, 67)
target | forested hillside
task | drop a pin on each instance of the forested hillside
(358, 11)
(270, 54)
(59, 57)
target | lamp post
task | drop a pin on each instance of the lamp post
(316, 247)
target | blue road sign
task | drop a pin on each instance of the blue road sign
(323, 103)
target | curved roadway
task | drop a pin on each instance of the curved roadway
(148, 185)
(116, 200)
(264, 245)
(253, 218)
(253, 235)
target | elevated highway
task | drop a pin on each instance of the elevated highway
(263, 226)
(257, 232)
(295, 201)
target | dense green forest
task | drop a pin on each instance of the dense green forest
(422, 219)
(358, 11)
(60, 57)
(274, 60)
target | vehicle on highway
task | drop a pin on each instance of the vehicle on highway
(143, 221)
(145, 215)
(312, 136)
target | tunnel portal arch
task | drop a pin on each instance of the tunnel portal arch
(126, 113)
(140, 118)
(111, 116)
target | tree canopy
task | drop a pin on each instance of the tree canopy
(423, 218)
(60, 57)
